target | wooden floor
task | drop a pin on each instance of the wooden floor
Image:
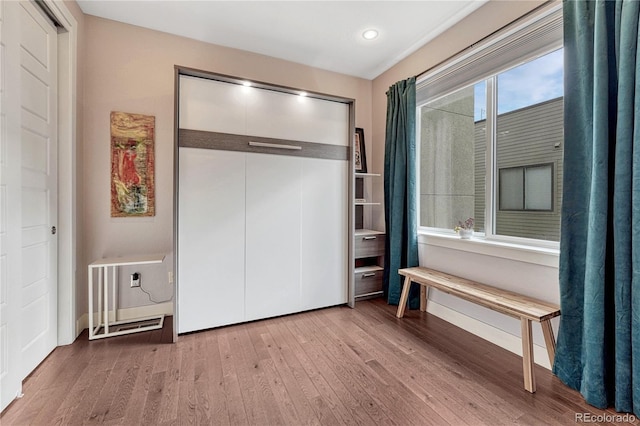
(331, 366)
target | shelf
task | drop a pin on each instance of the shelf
(360, 232)
(370, 295)
(129, 260)
(369, 245)
(364, 269)
(100, 323)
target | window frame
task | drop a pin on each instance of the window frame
(524, 187)
(543, 21)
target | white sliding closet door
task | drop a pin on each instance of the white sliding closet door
(324, 248)
(263, 205)
(212, 238)
(284, 116)
(273, 235)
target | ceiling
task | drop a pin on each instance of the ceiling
(322, 34)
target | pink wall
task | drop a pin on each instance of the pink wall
(128, 68)
(131, 69)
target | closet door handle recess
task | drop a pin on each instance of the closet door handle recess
(275, 145)
(369, 275)
(368, 238)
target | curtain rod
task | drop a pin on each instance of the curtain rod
(472, 45)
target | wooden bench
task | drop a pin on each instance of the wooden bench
(516, 305)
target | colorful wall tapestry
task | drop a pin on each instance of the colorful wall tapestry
(132, 165)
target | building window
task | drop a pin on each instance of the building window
(490, 136)
(528, 188)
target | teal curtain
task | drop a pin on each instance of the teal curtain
(400, 189)
(598, 350)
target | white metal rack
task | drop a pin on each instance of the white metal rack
(100, 323)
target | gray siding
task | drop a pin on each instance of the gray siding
(480, 160)
(540, 128)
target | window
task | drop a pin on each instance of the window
(490, 135)
(526, 188)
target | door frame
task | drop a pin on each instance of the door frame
(68, 329)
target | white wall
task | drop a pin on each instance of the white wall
(531, 274)
(538, 279)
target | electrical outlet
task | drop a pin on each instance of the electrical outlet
(135, 279)
(170, 277)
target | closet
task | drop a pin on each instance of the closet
(262, 201)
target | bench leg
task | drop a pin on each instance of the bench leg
(549, 340)
(404, 297)
(424, 294)
(527, 355)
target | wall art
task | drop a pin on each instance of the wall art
(132, 164)
(360, 155)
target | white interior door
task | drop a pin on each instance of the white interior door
(10, 378)
(38, 141)
(28, 129)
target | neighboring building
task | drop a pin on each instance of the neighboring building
(537, 199)
(529, 179)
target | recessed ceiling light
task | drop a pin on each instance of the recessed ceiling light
(303, 94)
(370, 34)
(246, 84)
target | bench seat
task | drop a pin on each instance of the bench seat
(525, 308)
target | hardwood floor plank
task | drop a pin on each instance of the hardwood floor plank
(203, 408)
(244, 367)
(451, 375)
(186, 391)
(171, 389)
(76, 367)
(260, 382)
(82, 412)
(41, 378)
(152, 402)
(398, 366)
(327, 395)
(315, 350)
(278, 389)
(393, 370)
(348, 354)
(235, 404)
(300, 367)
(359, 366)
(294, 391)
(220, 412)
(344, 370)
(427, 384)
(143, 366)
(114, 398)
(123, 390)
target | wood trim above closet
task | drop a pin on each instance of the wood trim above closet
(230, 142)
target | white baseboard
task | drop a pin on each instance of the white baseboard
(127, 314)
(494, 335)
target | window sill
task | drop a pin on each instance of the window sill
(519, 252)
